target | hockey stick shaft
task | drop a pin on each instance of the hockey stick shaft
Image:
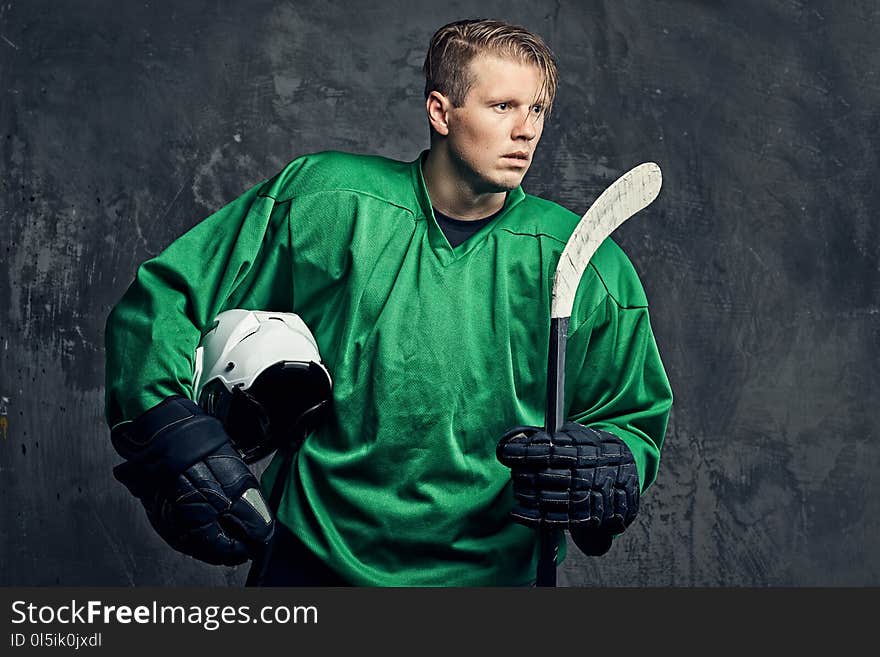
(554, 417)
(257, 572)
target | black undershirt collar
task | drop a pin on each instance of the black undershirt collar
(459, 230)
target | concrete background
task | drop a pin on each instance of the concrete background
(124, 123)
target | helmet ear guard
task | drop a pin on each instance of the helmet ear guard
(265, 381)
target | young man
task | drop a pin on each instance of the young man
(427, 286)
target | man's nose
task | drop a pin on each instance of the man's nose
(525, 128)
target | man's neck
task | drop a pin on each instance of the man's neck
(451, 194)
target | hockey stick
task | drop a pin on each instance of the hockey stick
(632, 192)
(257, 572)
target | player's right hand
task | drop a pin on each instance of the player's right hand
(199, 495)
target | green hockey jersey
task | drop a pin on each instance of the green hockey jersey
(434, 352)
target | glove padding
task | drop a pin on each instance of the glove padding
(583, 479)
(199, 495)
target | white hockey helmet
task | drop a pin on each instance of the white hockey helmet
(261, 374)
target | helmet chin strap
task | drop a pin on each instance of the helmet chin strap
(253, 428)
(241, 414)
(247, 417)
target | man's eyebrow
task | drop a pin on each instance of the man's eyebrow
(510, 101)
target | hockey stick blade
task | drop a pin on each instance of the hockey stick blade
(633, 191)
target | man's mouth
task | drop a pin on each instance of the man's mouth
(521, 157)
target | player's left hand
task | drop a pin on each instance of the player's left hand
(579, 478)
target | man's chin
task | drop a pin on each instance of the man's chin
(503, 184)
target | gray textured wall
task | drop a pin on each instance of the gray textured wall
(124, 123)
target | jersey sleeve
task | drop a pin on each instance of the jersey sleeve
(617, 382)
(237, 257)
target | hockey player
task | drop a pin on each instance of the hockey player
(427, 287)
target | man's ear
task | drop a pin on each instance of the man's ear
(437, 106)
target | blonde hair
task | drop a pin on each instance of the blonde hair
(453, 47)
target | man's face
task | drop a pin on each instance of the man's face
(493, 135)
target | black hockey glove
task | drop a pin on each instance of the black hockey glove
(584, 480)
(198, 493)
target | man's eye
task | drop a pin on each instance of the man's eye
(502, 106)
(537, 109)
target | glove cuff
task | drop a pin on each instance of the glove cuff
(592, 542)
(166, 440)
